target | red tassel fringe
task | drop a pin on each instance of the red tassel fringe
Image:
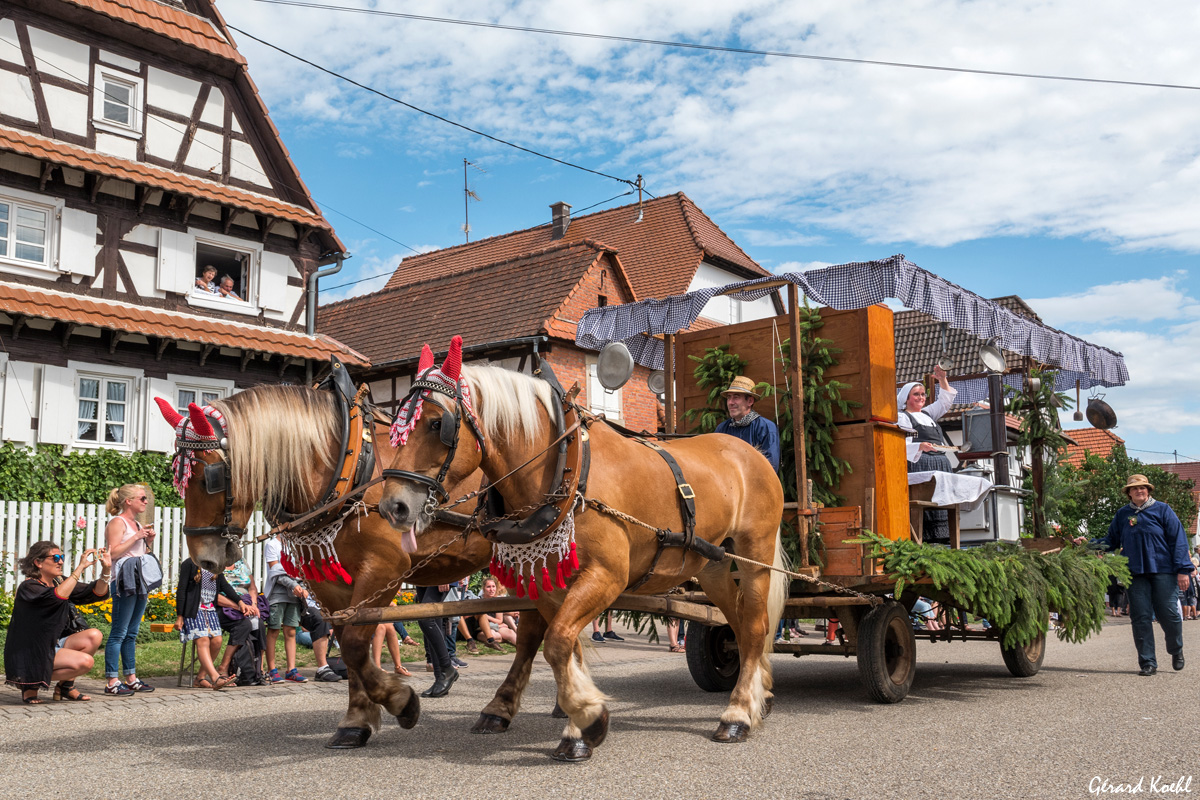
(533, 592)
(574, 559)
(546, 585)
(520, 589)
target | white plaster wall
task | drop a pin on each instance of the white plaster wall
(170, 91)
(237, 125)
(119, 146)
(119, 189)
(207, 210)
(59, 56)
(724, 309)
(16, 163)
(163, 137)
(214, 109)
(204, 153)
(68, 109)
(143, 234)
(18, 95)
(142, 271)
(9, 49)
(244, 164)
(245, 219)
(120, 61)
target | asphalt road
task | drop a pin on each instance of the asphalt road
(967, 730)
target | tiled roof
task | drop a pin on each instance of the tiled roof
(169, 21)
(39, 147)
(115, 315)
(919, 343)
(660, 253)
(1188, 470)
(1090, 440)
(510, 299)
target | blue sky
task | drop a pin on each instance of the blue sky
(1080, 198)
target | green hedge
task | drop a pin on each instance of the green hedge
(47, 474)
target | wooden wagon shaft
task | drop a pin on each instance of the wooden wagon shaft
(669, 606)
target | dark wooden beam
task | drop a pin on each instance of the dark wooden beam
(161, 348)
(206, 352)
(247, 355)
(47, 169)
(140, 195)
(284, 361)
(114, 339)
(68, 329)
(226, 219)
(188, 207)
(19, 321)
(265, 224)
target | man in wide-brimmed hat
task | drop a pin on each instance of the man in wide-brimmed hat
(1149, 534)
(745, 423)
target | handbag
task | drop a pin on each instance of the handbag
(338, 665)
(74, 624)
(152, 574)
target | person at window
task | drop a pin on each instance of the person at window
(226, 288)
(1149, 534)
(46, 639)
(128, 541)
(919, 420)
(207, 282)
(746, 424)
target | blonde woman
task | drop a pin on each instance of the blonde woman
(128, 540)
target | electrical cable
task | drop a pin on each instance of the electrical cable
(438, 117)
(726, 49)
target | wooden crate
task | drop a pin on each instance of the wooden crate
(867, 361)
(161, 627)
(843, 559)
(879, 481)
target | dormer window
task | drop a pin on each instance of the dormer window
(223, 272)
(117, 104)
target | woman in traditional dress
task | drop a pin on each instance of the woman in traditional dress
(45, 641)
(925, 436)
(198, 621)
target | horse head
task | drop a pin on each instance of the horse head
(427, 433)
(213, 521)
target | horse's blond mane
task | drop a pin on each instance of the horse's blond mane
(506, 402)
(277, 436)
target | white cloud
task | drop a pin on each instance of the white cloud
(800, 266)
(352, 150)
(1141, 300)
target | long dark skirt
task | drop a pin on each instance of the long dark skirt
(937, 520)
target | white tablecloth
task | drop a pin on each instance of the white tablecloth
(965, 491)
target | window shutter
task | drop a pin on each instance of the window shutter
(158, 435)
(273, 270)
(59, 406)
(176, 270)
(18, 402)
(77, 246)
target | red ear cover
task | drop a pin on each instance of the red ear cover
(200, 424)
(169, 413)
(452, 366)
(426, 359)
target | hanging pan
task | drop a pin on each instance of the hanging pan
(614, 366)
(1100, 413)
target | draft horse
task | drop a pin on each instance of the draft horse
(571, 543)
(280, 445)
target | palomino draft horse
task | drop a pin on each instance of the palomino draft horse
(575, 548)
(279, 445)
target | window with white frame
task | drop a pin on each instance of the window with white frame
(184, 395)
(25, 232)
(103, 414)
(223, 272)
(601, 400)
(117, 104)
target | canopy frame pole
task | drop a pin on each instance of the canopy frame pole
(669, 374)
(804, 500)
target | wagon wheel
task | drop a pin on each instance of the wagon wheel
(1025, 661)
(887, 652)
(712, 657)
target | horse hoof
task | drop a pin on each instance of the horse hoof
(595, 733)
(731, 733)
(558, 713)
(490, 723)
(348, 738)
(411, 712)
(572, 750)
(768, 704)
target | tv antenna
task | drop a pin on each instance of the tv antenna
(468, 196)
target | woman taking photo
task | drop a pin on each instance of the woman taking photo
(43, 644)
(128, 541)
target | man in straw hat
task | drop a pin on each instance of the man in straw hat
(1149, 534)
(745, 423)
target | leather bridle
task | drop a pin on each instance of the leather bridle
(218, 478)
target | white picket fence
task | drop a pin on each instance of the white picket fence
(76, 527)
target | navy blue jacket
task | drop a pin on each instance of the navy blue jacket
(1152, 539)
(760, 434)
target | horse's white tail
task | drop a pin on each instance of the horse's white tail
(777, 595)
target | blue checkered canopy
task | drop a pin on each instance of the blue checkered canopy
(858, 285)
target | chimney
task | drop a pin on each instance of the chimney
(560, 214)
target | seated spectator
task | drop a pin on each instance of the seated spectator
(198, 622)
(926, 614)
(385, 632)
(46, 639)
(494, 628)
(315, 633)
(226, 288)
(247, 634)
(286, 598)
(207, 282)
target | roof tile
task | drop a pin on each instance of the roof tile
(119, 316)
(1090, 440)
(165, 20)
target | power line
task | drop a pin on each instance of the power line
(438, 117)
(1162, 453)
(724, 49)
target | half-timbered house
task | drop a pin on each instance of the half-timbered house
(135, 154)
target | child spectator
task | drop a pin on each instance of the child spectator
(197, 619)
(286, 599)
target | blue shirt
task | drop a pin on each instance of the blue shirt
(1152, 538)
(761, 434)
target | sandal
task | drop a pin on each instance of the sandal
(65, 690)
(31, 699)
(201, 683)
(222, 681)
(675, 648)
(401, 670)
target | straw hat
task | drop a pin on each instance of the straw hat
(741, 385)
(1137, 480)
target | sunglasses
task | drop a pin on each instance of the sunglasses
(58, 559)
